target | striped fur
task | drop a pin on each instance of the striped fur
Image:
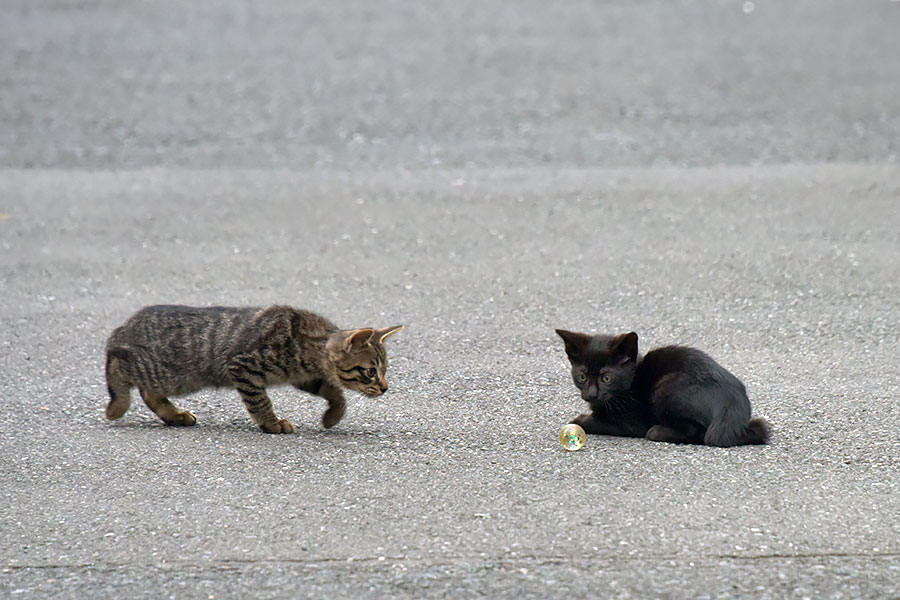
(168, 351)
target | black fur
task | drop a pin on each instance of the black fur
(672, 394)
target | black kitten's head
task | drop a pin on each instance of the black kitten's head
(602, 366)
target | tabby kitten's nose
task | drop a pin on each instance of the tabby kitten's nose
(383, 385)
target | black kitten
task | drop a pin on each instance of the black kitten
(673, 394)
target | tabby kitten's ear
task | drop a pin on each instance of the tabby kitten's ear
(380, 334)
(625, 348)
(576, 343)
(357, 338)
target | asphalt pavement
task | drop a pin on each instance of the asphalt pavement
(719, 174)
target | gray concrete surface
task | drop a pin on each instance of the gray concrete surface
(482, 174)
(107, 84)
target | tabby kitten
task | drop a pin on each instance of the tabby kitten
(175, 350)
(673, 394)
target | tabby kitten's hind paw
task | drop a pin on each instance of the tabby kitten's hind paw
(279, 426)
(182, 418)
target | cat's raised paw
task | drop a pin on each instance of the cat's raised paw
(279, 426)
(332, 416)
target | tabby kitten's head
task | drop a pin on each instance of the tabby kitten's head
(603, 366)
(359, 358)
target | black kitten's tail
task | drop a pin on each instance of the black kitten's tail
(758, 432)
(727, 431)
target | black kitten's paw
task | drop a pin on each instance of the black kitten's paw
(581, 419)
(688, 435)
(587, 422)
(657, 433)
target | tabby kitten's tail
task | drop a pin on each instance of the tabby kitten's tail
(117, 382)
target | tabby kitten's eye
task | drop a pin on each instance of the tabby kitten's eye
(581, 378)
(605, 378)
(370, 373)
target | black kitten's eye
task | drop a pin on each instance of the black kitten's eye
(605, 378)
(581, 378)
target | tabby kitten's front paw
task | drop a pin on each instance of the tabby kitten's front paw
(279, 426)
(332, 416)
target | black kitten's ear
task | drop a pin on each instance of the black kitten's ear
(625, 348)
(576, 343)
(357, 338)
